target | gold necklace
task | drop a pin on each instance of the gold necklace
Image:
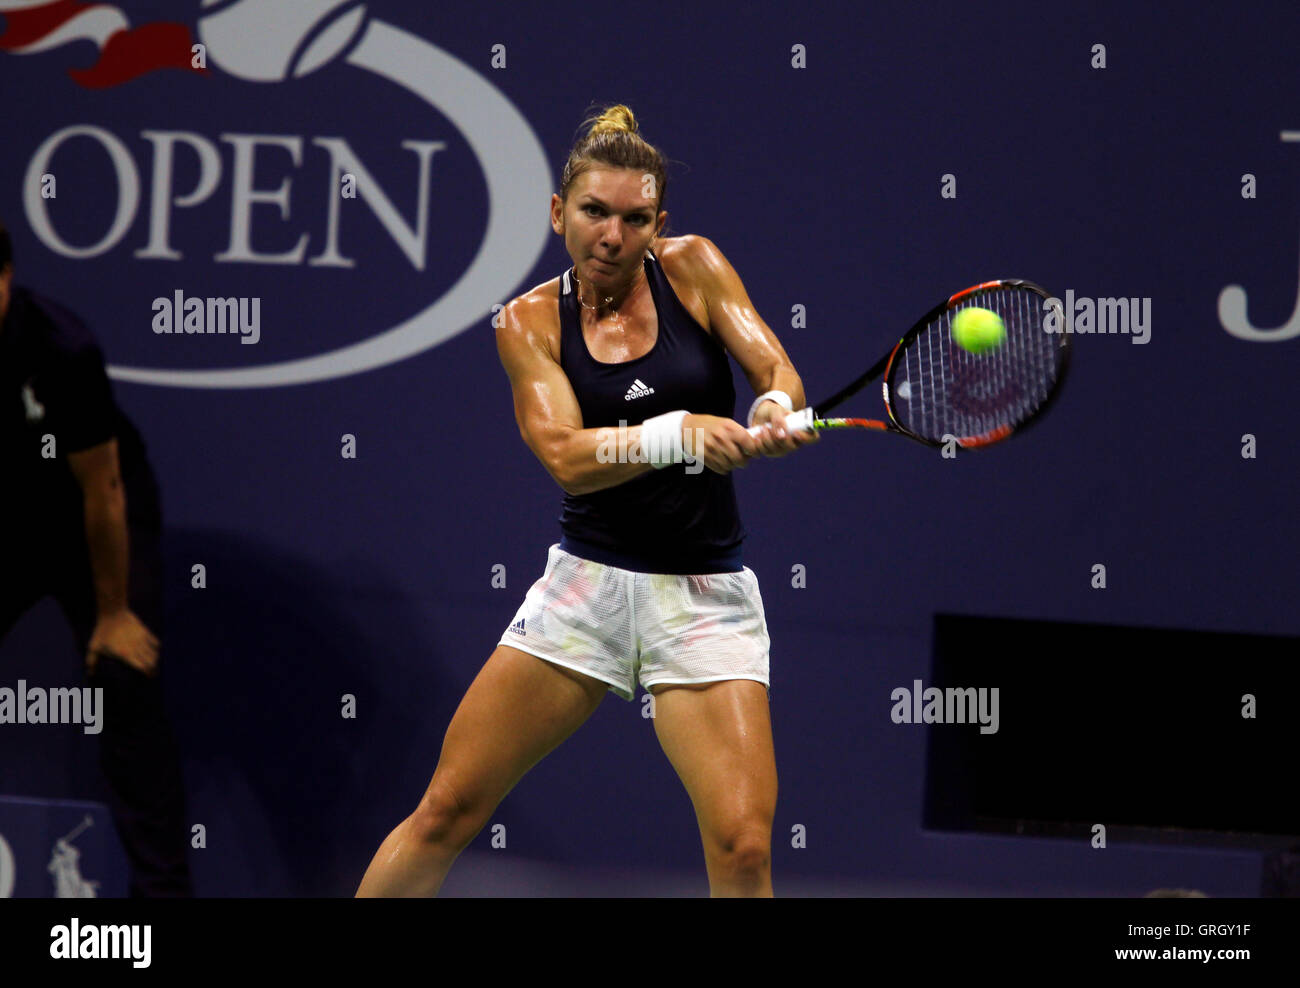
(596, 308)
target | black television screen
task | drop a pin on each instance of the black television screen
(1156, 734)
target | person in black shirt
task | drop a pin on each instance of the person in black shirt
(81, 517)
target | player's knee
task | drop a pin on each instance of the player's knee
(747, 852)
(443, 817)
(751, 859)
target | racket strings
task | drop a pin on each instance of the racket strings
(940, 389)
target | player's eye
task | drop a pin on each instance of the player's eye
(639, 217)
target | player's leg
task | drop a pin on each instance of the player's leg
(704, 656)
(518, 709)
(718, 737)
(138, 751)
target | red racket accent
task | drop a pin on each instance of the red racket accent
(867, 423)
(987, 438)
(974, 288)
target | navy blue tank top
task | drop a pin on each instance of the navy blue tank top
(682, 518)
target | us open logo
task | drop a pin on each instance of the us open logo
(277, 43)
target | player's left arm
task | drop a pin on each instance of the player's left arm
(748, 339)
(117, 629)
(104, 514)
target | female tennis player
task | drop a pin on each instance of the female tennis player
(623, 390)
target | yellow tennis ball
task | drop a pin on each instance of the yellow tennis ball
(978, 330)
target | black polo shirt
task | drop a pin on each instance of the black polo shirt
(53, 384)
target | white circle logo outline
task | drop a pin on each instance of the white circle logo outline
(518, 178)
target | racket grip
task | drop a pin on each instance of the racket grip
(800, 421)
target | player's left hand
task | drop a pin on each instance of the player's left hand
(123, 635)
(775, 440)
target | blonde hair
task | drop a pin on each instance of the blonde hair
(613, 141)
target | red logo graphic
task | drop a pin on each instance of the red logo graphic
(125, 53)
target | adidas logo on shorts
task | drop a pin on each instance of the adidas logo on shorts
(638, 390)
(518, 628)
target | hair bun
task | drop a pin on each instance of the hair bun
(616, 118)
(611, 139)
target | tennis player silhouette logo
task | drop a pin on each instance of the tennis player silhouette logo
(32, 408)
(65, 867)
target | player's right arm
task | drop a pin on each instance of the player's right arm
(550, 420)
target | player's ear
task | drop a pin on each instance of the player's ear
(557, 213)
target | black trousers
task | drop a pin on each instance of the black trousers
(138, 752)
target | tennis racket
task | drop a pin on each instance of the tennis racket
(937, 392)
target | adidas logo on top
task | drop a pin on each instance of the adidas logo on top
(518, 627)
(638, 390)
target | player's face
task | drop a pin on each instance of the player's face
(608, 223)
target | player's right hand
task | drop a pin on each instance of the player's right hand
(721, 443)
(775, 441)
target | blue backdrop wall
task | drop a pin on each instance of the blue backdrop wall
(811, 144)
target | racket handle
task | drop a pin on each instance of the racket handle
(800, 421)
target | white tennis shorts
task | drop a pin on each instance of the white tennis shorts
(621, 626)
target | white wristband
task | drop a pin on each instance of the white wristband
(661, 439)
(780, 397)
